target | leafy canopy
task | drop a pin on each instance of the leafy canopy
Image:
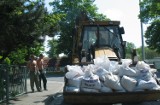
(150, 13)
(24, 24)
(69, 11)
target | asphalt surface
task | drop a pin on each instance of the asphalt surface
(54, 84)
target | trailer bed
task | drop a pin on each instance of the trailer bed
(112, 97)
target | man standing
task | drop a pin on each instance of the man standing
(34, 73)
(42, 76)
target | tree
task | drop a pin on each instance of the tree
(70, 10)
(152, 35)
(150, 13)
(129, 47)
(23, 23)
(52, 44)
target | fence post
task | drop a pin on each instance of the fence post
(7, 83)
(25, 79)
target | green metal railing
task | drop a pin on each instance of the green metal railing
(13, 81)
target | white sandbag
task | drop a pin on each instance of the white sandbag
(72, 89)
(102, 61)
(149, 85)
(113, 81)
(126, 62)
(71, 74)
(74, 68)
(144, 74)
(73, 71)
(128, 83)
(152, 70)
(114, 67)
(89, 90)
(92, 82)
(88, 71)
(75, 82)
(129, 61)
(156, 88)
(102, 78)
(141, 65)
(105, 89)
(126, 70)
(101, 73)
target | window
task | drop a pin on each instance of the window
(108, 36)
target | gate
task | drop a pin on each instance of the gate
(13, 81)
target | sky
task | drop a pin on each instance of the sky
(125, 11)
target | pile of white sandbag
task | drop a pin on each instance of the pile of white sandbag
(109, 76)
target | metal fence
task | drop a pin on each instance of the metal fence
(13, 81)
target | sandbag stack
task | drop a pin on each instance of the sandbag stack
(110, 76)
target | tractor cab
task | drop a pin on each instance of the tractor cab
(99, 39)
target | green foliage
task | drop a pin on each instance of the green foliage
(150, 13)
(23, 23)
(129, 47)
(69, 11)
(18, 56)
(36, 49)
(1, 57)
(150, 10)
(7, 61)
(52, 44)
(50, 24)
(149, 53)
(153, 35)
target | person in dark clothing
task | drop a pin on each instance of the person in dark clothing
(42, 76)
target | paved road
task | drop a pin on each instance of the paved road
(56, 78)
(54, 84)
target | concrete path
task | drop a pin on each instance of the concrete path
(38, 98)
